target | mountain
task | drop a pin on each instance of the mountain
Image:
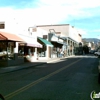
(95, 40)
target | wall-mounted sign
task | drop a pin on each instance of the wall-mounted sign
(44, 36)
(22, 44)
(34, 29)
(54, 38)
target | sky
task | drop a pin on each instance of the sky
(84, 15)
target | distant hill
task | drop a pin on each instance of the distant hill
(95, 40)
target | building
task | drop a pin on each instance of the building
(65, 31)
(42, 41)
(9, 49)
(23, 47)
(62, 36)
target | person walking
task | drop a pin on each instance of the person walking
(62, 53)
(58, 52)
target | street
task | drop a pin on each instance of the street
(69, 79)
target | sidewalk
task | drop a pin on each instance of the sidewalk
(27, 65)
(30, 64)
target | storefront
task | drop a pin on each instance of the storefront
(59, 45)
(9, 49)
(28, 48)
(71, 46)
(46, 51)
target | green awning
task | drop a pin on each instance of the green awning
(45, 42)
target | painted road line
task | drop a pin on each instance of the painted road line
(7, 97)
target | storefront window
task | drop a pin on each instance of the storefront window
(41, 51)
(6, 50)
(54, 50)
(10, 50)
(21, 51)
(3, 51)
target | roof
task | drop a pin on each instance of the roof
(45, 41)
(9, 36)
(52, 25)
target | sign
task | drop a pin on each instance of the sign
(22, 44)
(44, 36)
(34, 29)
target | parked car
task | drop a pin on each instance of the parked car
(91, 51)
(97, 54)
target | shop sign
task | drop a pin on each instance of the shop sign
(44, 36)
(34, 29)
(60, 40)
(21, 44)
(54, 38)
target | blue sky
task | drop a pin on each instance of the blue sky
(84, 15)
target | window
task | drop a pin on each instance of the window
(21, 51)
(3, 51)
(34, 29)
(44, 36)
(2, 25)
(6, 50)
(10, 50)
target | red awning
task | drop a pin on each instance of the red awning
(8, 36)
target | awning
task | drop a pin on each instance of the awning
(45, 42)
(59, 42)
(35, 44)
(10, 37)
(29, 41)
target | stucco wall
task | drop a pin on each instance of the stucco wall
(64, 29)
(73, 33)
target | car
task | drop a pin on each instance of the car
(98, 55)
(91, 51)
(95, 53)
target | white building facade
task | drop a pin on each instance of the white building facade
(65, 31)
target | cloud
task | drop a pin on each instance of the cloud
(72, 3)
(50, 12)
(36, 16)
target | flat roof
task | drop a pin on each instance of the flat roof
(52, 25)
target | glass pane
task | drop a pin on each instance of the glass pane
(10, 50)
(21, 51)
(3, 50)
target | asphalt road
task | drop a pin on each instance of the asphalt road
(70, 79)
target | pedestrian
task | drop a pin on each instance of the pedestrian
(58, 52)
(62, 53)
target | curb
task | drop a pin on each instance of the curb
(22, 68)
(26, 67)
(53, 60)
